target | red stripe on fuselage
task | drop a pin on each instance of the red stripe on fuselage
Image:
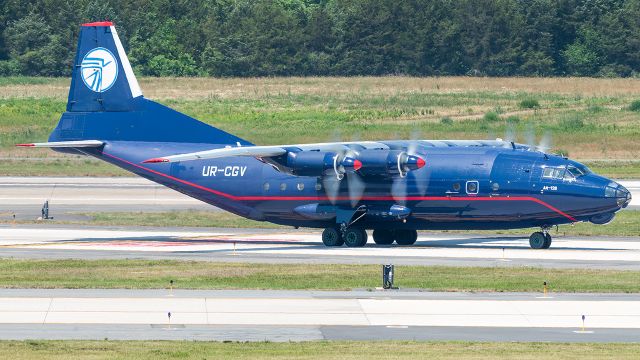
(372, 198)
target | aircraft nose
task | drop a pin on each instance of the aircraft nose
(619, 192)
(627, 196)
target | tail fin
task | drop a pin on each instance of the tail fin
(106, 103)
(102, 77)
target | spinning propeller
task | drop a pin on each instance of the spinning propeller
(407, 161)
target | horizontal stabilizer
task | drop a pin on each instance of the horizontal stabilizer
(66, 144)
(253, 151)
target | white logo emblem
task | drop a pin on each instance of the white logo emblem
(99, 69)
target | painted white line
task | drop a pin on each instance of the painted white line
(392, 313)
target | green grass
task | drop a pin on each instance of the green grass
(187, 218)
(616, 169)
(585, 125)
(626, 223)
(61, 166)
(529, 104)
(326, 350)
(156, 274)
(600, 126)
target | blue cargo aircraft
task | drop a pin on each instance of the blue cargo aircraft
(392, 187)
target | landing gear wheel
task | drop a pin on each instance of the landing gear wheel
(332, 237)
(383, 237)
(537, 240)
(547, 241)
(355, 237)
(406, 237)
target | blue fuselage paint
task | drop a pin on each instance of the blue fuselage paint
(510, 190)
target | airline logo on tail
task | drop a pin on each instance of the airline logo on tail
(99, 69)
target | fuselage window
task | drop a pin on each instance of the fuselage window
(300, 186)
(456, 187)
(472, 187)
(283, 187)
(495, 186)
(266, 186)
(318, 186)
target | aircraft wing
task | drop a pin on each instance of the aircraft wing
(66, 144)
(253, 151)
(264, 151)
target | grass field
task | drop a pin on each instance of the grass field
(156, 274)
(344, 350)
(589, 118)
(626, 223)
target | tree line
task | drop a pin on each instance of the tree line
(333, 37)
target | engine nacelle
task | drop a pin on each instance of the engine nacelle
(388, 162)
(365, 162)
(310, 163)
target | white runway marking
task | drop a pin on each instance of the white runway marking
(309, 244)
(342, 311)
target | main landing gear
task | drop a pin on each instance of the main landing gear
(352, 237)
(401, 237)
(357, 237)
(540, 239)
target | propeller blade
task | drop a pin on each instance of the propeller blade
(509, 134)
(399, 190)
(331, 185)
(530, 137)
(356, 188)
(421, 179)
(545, 142)
(414, 142)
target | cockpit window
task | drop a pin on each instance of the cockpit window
(553, 172)
(576, 172)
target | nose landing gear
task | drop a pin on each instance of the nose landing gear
(540, 239)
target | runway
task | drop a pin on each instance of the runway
(316, 315)
(290, 315)
(304, 246)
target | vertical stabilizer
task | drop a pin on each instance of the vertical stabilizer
(106, 103)
(102, 78)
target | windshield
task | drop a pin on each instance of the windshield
(574, 171)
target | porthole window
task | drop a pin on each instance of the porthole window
(472, 187)
(283, 187)
(318, 186)
(495, 186)
(456, 187)
(266, 186)
(300, 186)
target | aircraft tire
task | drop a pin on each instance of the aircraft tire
(332, 237)
(406, 237)
(383, 237)
(355, 237)
(547, 241)
(537, 240)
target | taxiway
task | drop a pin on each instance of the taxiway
(316, 315)
(305, 246)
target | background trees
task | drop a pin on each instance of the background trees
(333, 37)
